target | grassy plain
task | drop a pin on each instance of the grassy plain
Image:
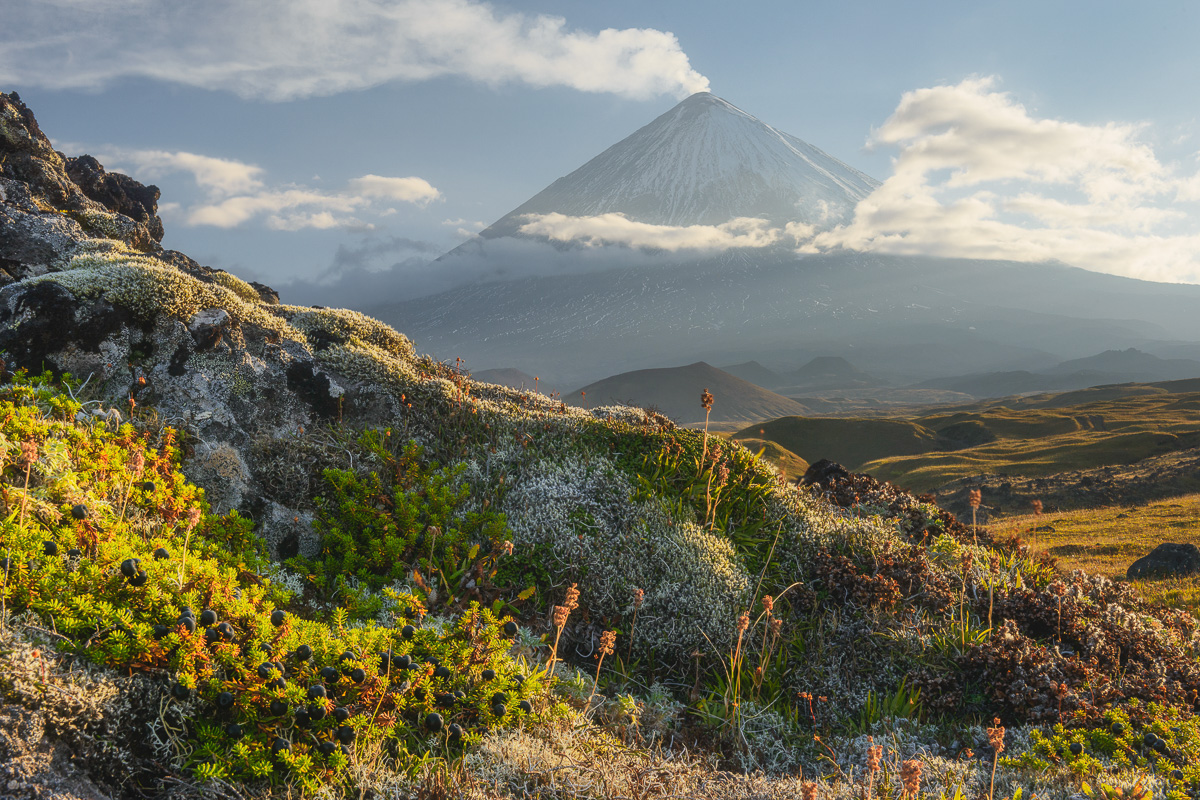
(1105, 541)
(1031, 437)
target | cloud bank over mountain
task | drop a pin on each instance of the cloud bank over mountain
(288, 49)
(978, 176)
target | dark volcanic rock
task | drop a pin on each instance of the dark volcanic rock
(824, 473)
(118, 193)
(1166, 559)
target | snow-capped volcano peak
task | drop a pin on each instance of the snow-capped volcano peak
(704, 162)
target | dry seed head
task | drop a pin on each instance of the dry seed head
(572, 601)
(137, 462)
(1037, 506)
(874, 757)
(743, 623)
(808, 790)
(29, 452)
(706, 400)
(607, 640)
(560, 616)
(768, 603)
(193, 517)
(996, 736)
(507, 547)
(975, 498)
(638, 596)
(776, 626)
(910, 776)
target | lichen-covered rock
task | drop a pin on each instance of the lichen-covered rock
(118, 193)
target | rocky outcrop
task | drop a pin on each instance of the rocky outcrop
(87, 290)
(1165, 560)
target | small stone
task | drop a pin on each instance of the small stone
(434, 722)
(277, 617)
(79, 511)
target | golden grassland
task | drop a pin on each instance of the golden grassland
(1032, 439)
(1105, 541)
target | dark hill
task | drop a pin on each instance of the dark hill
(850, 442)
(675, 391)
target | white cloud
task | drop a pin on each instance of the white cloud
(284, 49)
(978, 176)
(236, 193)
(408, 190)
(619, 229)
(217, 176)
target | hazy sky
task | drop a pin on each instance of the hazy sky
(301, 139)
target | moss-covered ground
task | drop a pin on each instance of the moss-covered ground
(599, 607)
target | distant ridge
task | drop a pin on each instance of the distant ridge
(675, 391)
(756, 373)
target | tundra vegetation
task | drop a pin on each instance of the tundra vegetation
(253, 550)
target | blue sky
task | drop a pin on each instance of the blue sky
(294, 140)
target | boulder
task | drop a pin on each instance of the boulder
(824, 473)
(1166, 559)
